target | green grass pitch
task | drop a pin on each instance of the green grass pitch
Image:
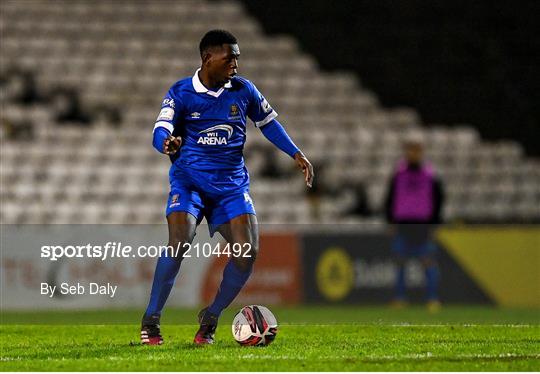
(313, 338)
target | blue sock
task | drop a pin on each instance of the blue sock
(233, 281)
(166, 270)
(432, 282)
(400, 283)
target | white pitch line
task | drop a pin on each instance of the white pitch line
(18, 358)
(411, 356)
(375, 324)
(429, 355)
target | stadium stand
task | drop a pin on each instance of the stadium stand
(127, 54)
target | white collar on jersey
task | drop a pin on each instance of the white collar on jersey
(199, 87)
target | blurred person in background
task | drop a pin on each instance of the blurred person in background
(413, 206)
(270, 168)
(360, 207)
(19, 86)
(104, 115)
(67, 108)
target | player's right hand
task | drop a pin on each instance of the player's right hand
(171, 145)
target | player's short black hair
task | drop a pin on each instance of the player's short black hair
(216, 38)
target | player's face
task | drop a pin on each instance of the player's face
(413, 153)
(223, 62)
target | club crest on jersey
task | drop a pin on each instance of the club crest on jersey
(234, 113)
(215, 135)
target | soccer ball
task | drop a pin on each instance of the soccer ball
(254, 325)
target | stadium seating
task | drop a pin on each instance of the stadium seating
(127, 54)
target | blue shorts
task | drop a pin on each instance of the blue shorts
(403, 247)
(218, 195)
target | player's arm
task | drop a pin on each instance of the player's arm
(264, 117)
(163, 140)
(275, 132)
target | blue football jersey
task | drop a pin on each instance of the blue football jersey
(212, 124)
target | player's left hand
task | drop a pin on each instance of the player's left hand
(306, 167)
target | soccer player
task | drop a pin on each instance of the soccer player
(202, 127)
(414, 202)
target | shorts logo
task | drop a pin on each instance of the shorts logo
(195, 115)
(174, 200)
(213, 136)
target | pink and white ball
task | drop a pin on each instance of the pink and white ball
(254, 325)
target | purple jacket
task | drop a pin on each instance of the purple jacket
(415, 195)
